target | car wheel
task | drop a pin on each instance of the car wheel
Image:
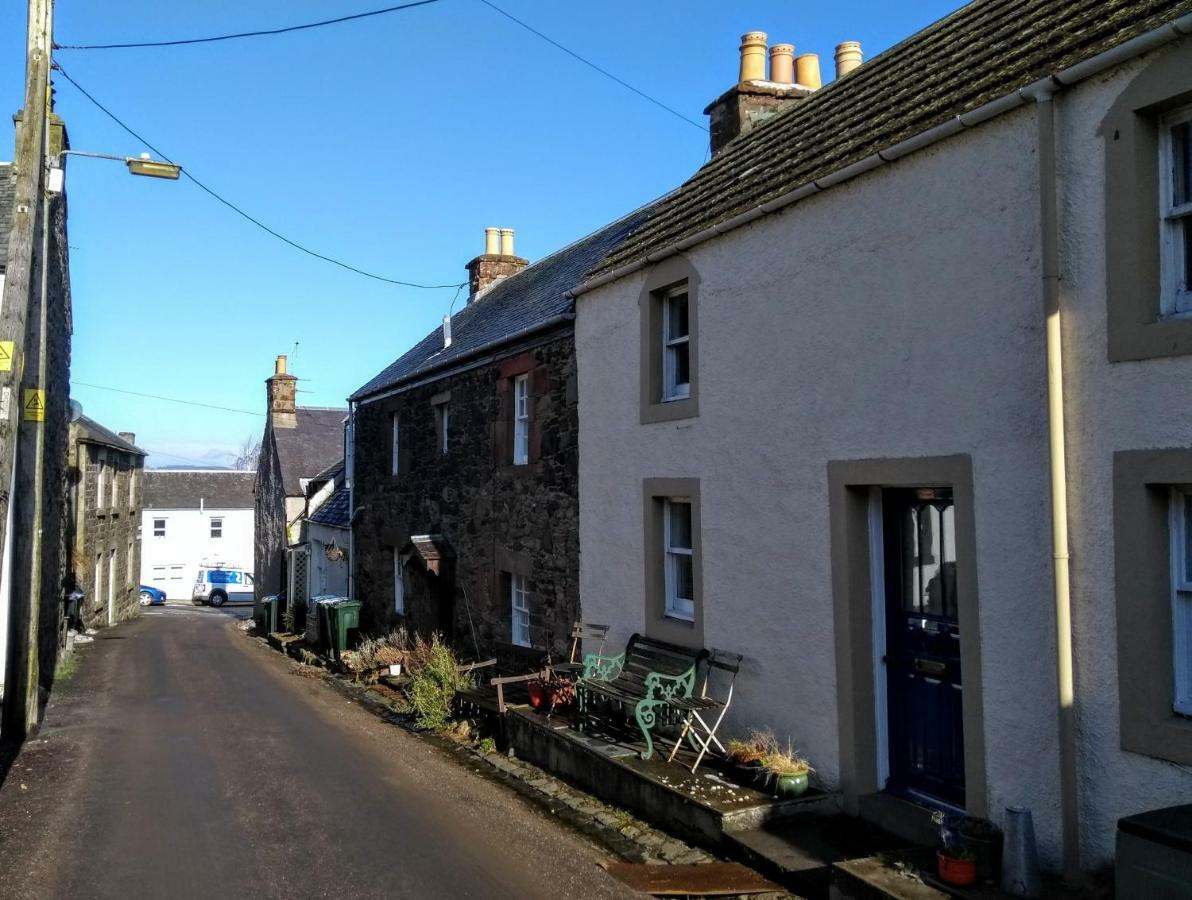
(146, 598)
(218, 599)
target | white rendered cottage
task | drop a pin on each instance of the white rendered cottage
(816, 424)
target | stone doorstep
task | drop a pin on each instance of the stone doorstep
(627, 836)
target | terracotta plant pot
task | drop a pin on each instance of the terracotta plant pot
(956, 871)
(537, 694)
(787, 787)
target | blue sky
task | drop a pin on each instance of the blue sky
(389, 143)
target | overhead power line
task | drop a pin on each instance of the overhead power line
(587, 62)
(247, 34)
(103, 387)
(236, 209)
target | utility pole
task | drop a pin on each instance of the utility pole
(22, 400)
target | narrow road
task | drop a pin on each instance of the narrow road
(182, 760)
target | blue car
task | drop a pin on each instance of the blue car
(151, 596)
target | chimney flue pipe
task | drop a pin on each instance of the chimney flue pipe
(753, 56)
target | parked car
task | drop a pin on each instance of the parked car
(217, 585)
(151, 596)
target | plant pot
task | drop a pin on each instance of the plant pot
(787, 787)
(959, 872)
(987, 854)
(537, 694)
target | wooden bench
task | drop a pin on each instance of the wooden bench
(645, 678)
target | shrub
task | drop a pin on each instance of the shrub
(382, 650)
(434, 682)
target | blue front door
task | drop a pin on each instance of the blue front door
(923, 687)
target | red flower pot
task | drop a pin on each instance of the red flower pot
(957, 871)
(537, 694)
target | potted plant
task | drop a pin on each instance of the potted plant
(537, 692)
(790, 772)
(956, 865)
(749, 756)
(983, 840)
(559, 692)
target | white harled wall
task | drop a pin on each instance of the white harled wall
(895, 315)
(188, 543)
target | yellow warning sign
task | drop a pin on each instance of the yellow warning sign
(35, 405)
(6, 351)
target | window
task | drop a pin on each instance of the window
(1181, 575)
(101, 474)
(159, 573)
(521, 420)
(116, 484)
(1175, 210)
(159, 528)
(443, 421)
(676, 345)
(216, 527)
(395, 443)
(128, 576)
(132, 485)
(399, 584)
(677, 558)
(520, 600)
(98, 585)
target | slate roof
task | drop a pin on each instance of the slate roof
(979, 53)
(531, 298)
(182, 489)
(306, 450)
(7, 195)
(91, 432)
(335, 510)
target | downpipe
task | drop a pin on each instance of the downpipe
(1043, 95)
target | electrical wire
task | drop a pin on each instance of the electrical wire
(587, 62)
(246, 34)
(281, 237)
(102, 387)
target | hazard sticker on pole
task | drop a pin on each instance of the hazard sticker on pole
(6, 352)
(35, 405)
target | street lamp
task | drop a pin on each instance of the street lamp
(137, 165)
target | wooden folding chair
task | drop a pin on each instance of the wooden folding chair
(580, 632)
(697, 710)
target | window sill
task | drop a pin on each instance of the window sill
(669, 410)
(683, 620)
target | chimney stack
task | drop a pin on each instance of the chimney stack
(497, 262)
(281, 392)
(807, 71)
(129, 436)
(848, 57)
(782, 64)
(755, 98)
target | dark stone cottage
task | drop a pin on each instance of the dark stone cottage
(464, 472)
(299, 443)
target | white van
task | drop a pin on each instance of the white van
(217, 585)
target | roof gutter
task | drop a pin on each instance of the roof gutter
(1072, 75)
(467, 361)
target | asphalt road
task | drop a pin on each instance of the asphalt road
(183, 760)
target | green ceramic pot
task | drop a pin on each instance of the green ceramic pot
(790, 786)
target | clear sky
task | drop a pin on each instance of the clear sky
(389, 143)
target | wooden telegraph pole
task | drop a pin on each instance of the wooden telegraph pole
(22, 399)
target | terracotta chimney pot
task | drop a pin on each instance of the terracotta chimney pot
(507, 242)
(848, 57)
(279, 367)
(807, 71)
(782, 63)
(753, 56)
(492, 245)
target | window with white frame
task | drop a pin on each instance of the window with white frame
(216, 527)
(679, 579)
(1175, 209)
(395, 443)
(98, 584)
(399, 584)
(101, 475)
(521, 420)
(128, 563)
(132, 485)
(159, 527)
(443, 415)
(1181, 597)
(520, 601)
(676, 345)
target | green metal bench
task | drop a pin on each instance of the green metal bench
(645, 678)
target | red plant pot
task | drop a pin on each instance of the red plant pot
(957, 871)
(537, 694)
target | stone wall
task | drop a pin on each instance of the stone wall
(108, 534)
(496, 517)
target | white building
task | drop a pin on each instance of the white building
(194, 517)
(815, 424)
